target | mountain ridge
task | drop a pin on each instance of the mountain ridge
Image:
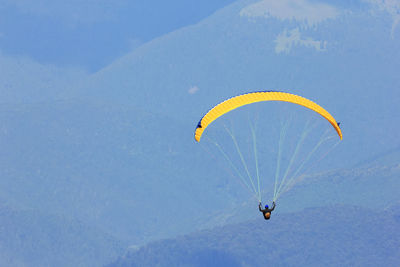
(328, 235)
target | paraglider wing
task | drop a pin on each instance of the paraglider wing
(249, 98)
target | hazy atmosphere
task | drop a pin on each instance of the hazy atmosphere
(101, 102)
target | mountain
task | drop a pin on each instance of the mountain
(91, 34)
(32, 238)
(373, 187)
(330, 236)
(23, 81)
(115, 150)
(92, 162)
(343, 55)
(93, 165)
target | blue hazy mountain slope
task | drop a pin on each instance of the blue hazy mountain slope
(23, 80)
(108, 166)
(29, 237)
(372, 187)
(91, 34)
(361, 186)
(94, 164)
(331, 236)
(344, 58)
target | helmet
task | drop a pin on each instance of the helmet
(266, 206)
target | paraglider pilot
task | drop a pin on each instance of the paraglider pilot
(266, 212)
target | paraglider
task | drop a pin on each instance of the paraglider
(266, 211)
(263, 96)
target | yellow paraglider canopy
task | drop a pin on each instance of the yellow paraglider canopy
(249, 98)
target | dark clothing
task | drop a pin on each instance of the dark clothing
(267, 212)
